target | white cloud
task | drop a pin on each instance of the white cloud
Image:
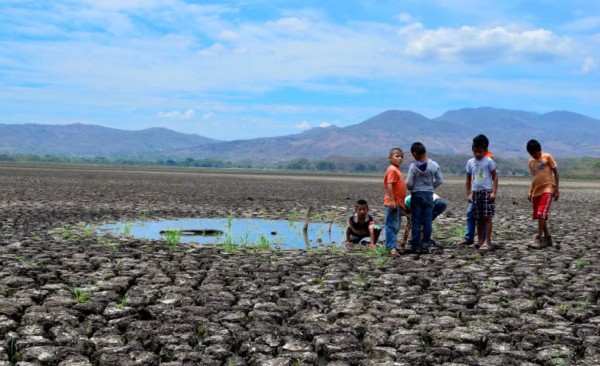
(174, 114)
(584, 24)
(324, 124)
(304, 125)
(228, 35)
(290, 24)
(216, 49)
(207, 116)
(188, 114)
(589, 65)
(482, 45)
(405, 17)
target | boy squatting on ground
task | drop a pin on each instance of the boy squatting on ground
(482, 186)
(361, 225)
(471, 220)
(424, 175)
(439, 206)
(544, 186)
(395, 192)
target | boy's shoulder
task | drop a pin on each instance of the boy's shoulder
(487, 160)
(543, 157)
(393, 168)
(547, 155)
(434, 163)
(481, 162)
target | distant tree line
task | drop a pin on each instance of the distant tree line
(583, 167)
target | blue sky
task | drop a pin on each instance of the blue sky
(239, 69)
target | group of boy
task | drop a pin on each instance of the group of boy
(423, 205)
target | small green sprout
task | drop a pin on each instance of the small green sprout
(580, 263)
(81, 295)
(361, 279)
(263, 242)
(122, 301)
(172, 237)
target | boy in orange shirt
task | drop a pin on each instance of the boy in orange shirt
(395, 192)
(544, 187)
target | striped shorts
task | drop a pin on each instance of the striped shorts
(541, 206)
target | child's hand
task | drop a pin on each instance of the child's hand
(529, 196)
(492, 196)
(556, 195)
(470, 197)
(371, 246)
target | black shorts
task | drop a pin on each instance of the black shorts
(356, 239)
(484, 207)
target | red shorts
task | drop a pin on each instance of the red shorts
(541, 206)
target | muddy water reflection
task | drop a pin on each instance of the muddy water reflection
(279, 233)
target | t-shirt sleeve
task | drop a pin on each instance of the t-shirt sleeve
(392, 176)
(493, 164)
(439, 178)
(468, 167)
(551, 162)
(410, 177)
(371, 221)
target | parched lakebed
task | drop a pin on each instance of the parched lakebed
(70, 296)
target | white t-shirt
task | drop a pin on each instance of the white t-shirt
(481, 173)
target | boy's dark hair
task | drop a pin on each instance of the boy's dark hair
(533, 146)
(396, 149)
(362, 202)
(418, 148)
(481, 141)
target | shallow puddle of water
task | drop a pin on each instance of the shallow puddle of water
(278, 233)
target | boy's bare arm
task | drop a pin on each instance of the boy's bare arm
(390, 191)
(372, 242)
(556, 179)
(495, 186)
(468, 187)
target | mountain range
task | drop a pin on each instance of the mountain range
(560, 133)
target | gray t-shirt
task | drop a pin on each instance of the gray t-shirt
(481, 173)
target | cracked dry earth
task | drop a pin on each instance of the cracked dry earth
(71, 297)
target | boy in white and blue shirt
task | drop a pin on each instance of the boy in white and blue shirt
(482, 186)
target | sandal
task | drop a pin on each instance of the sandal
(394, 253)
(485, 247)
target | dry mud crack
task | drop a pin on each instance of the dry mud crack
(70, 297)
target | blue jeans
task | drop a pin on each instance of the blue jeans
(422, 215)
(471, 224)
(392, 225)
(439, 206)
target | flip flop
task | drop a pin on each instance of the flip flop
(485, 247)
(394, 253)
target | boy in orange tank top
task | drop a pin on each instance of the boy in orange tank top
(543, 189)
